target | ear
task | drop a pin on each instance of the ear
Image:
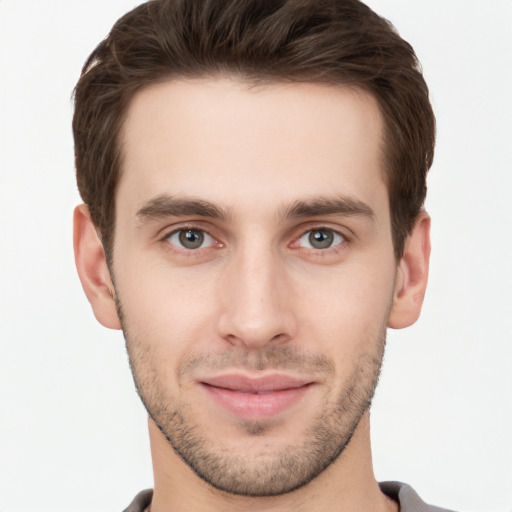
(91, 264)
(412, 275)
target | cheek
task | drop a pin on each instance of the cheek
(175, 310)
(166, 308)
(165, 318)
(348, 309)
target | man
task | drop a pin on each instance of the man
(253, 176)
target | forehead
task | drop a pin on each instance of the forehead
(226, 141)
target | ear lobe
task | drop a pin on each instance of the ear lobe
(92, 268)
(412, 275)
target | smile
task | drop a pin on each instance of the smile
(255, 398)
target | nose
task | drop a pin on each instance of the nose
(256, 301)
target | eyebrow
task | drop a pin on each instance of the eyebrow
(168, 206)
(331, 205)
(171, 206)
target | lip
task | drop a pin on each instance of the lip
(255, 398)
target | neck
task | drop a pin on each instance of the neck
(347, 484)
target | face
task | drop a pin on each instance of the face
(254, 273)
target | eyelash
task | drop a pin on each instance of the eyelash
(327, 250)
(190, 252)
(320, 252)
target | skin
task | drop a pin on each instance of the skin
(275, 164)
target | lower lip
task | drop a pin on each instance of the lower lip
(256, 406)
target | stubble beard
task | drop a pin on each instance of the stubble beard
(267, 473)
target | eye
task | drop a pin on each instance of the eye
(190, 239)
(321, 239)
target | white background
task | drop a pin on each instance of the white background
(72, 432)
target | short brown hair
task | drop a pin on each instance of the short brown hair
(323, 41)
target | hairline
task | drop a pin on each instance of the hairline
(252, 81)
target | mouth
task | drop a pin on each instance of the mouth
(255, 398)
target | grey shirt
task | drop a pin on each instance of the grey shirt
(404, 494)
(407, 498)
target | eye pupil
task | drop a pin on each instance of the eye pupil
(191, 239)
(320, 239)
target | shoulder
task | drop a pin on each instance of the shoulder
(404, 494)
(140, 502)
(408, 498)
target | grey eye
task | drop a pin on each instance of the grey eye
(321, 239)
(190, 239)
